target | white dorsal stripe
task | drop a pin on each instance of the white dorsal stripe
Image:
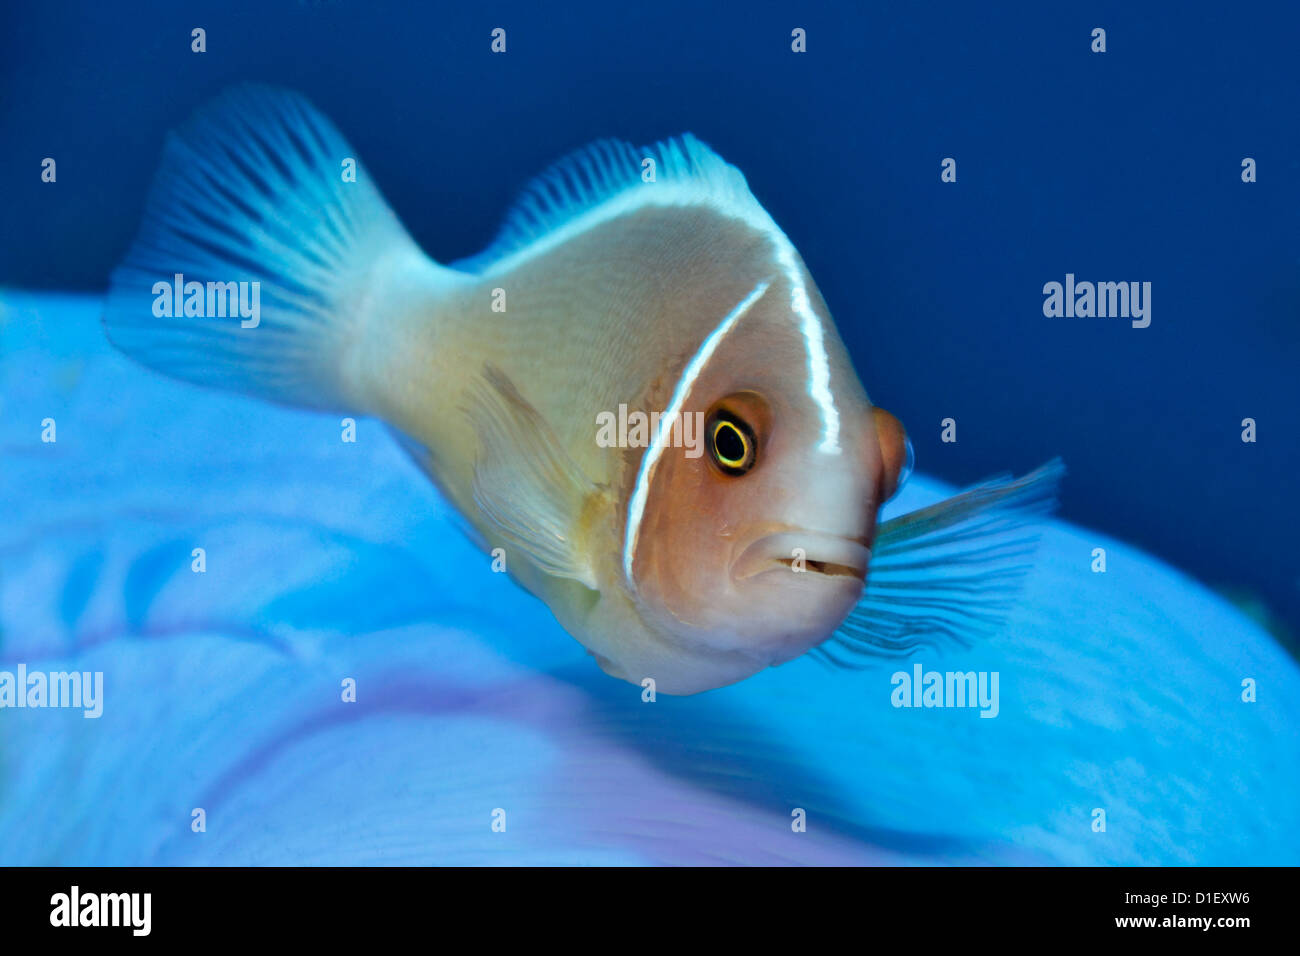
(603, 181)
(636, 504)
(748, 212)
(819, 366)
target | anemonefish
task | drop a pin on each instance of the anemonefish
(674, 294)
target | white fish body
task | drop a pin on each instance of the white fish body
(679, 296)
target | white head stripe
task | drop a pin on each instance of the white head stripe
(636, 505)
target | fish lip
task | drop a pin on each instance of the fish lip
(831, 555)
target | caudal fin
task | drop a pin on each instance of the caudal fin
(289, 264)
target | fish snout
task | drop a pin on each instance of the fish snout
(804, 552)
(896, 455)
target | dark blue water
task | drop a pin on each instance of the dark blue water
(1122, 166)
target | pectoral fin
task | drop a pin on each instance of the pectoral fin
(525, 485)
(949, 573)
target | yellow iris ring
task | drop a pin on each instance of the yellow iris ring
(724, 460)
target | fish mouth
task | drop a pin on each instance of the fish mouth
(813, 552)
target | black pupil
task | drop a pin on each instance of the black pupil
(731, 446)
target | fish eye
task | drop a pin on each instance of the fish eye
(731, 443)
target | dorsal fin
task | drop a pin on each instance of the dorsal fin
(604, 180)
